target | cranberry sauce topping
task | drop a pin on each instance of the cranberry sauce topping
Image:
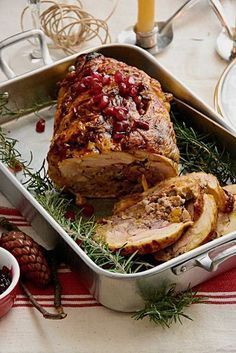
(122, 123)
(5, 279)
(111, 102)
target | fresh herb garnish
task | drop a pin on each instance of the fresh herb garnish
(165, 307)
(198, 152)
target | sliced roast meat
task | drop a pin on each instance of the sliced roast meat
(203, 230)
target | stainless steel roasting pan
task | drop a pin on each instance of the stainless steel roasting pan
(122, 292)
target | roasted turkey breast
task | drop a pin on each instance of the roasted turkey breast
(112, 130)
(177, 215)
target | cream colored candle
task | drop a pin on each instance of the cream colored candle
(146, 17)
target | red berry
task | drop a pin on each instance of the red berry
(138, 100)
(117, 136)
(104, 102)
(101, 100)
(16, 167)
(40, 125)
(80, 87)
(126, 125)
(133, 92)
(120, 126)
(118, 77)
(70, 214)
(141, 125)
(123, 89)
(110, 111)
(96, 87)
(97, 76)
(87, 81)
(129, 81)
(121, 113)
(87, 72)
(97, 98)
(87, 210)
(106, 79)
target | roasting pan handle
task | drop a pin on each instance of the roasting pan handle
(210, 260)
(19, 37)
(215, 257)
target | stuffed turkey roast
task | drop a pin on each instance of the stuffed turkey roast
(112, 130)
(175, 216)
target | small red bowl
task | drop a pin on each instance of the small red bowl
(7, 298)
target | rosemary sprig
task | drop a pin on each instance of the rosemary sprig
(82, 231)
(37, 182)
(198, 152)
(8, 153)
(165, 307)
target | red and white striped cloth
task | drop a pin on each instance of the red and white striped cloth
(75, 295)
(99, 330)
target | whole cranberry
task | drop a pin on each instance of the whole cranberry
(70, 215)
(40, 125)
(87, 210)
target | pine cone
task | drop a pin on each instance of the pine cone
(29, 255)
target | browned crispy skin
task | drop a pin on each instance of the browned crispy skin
(87, 155)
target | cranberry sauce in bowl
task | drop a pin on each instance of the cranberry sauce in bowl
(9, 278)
(5, 278)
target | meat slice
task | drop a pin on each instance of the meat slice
(208, 184)
(130, 236)
(155, 219)
(175, 216)
(224, 199)
(226, 222)
(112, 128)
(199, 233)
(188, 187)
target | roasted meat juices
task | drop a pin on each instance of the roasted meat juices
(112, 130)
